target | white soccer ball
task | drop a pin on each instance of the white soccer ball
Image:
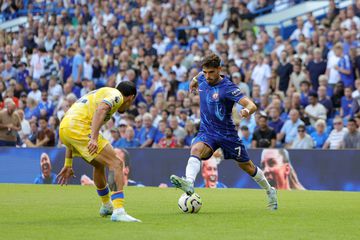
(190, 204)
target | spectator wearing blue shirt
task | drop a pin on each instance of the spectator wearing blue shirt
(22, 74)
(320, 135)
(160, 133)
(138, 126)
(289, 130)
(190, 133)
(46, 176)
(304, 93)
(276, 123)
(8, 73)
(31, 109)
(172, 42)
(128, 141)
(147, 132)
(77, 67)
(45, 106)
(345, 68)
(115, 134)
(67, 63)
(246, 137)
(325, 101)
(346, 104)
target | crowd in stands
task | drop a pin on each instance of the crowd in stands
(306, 87)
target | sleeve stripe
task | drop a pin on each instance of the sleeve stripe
(107, 102)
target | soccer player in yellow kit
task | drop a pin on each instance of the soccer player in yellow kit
(79, 131)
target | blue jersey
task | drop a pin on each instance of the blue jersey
(216, 104)
(217, 129)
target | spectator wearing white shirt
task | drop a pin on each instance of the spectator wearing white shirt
(88, 69)
(336, 136)
(55, 90)
(300, 30)
(35, 93)
(350, 19)
(302, 140)
(261, 74)
(331, 69)
(315, 110)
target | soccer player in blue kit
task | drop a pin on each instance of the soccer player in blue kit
(217, 130)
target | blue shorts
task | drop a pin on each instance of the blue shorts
(232, 147)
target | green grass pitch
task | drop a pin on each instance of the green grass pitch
(71, 212)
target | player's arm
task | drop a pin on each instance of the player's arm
(194, 84)
(97, 122)
(249, 107)
(67, 171)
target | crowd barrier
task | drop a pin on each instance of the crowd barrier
(292, 169)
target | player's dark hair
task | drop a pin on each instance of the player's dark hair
(211, 61)
(127, 88)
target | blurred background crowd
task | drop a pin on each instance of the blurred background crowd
(306, 86)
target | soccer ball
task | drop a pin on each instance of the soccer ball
(190, 204)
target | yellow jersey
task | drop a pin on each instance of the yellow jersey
(83, 110)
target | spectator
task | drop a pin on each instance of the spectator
(45, 137)
(325, 101)
(190, 133)
(169, 140)
(264, 136)
(261, 74)
(178, 131)
(128, 141)
(246, 137)
(352, 137)
(315, 110)
(297, 77)
(289, 130)
(315, 68)
(336, 136)
(299, 30)
(344, 67)
(25, 125)
(320, 134)
(332, 68)
(284, 71)
(35, 93)
(115, 136)
(55, 91)
(10, 124)
(147, 132)
(346, 104)
(302, 140)
(276, 123)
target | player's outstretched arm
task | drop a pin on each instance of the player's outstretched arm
(97, 122)
(249, 107)
(67, 171)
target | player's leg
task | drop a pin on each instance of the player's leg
(258, 175)
(108, 158)
(199, 150)
(102, 188)
(237, 151)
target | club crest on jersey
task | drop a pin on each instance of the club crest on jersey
(215, 96)
(237, 92)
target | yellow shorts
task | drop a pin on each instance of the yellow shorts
(77, 139)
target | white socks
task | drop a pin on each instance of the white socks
(119, 211)
(260, 179)
(192, 168)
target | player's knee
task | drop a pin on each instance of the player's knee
(117, 164)
(196, 150)
(248, 167)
